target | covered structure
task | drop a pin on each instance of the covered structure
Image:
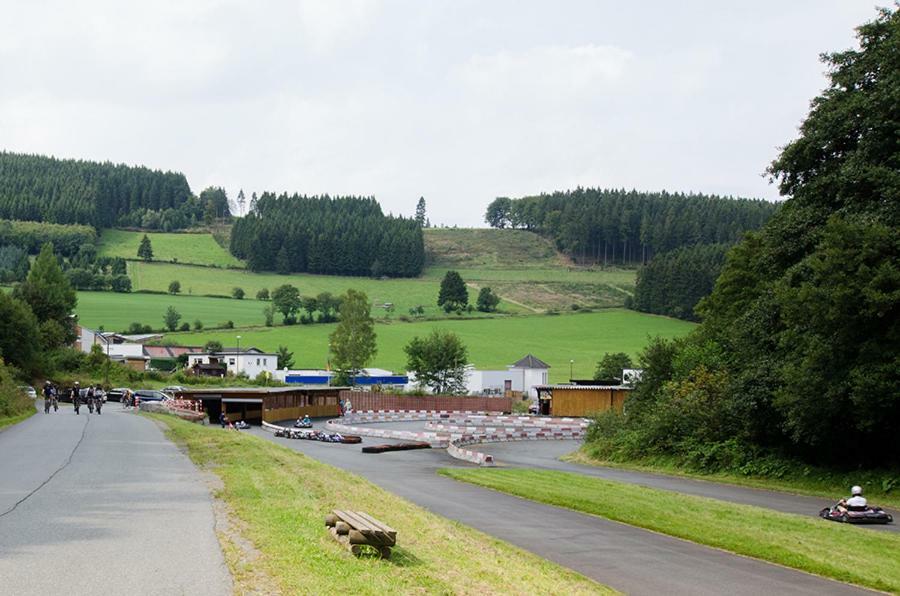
(580, 400)
(270, 404)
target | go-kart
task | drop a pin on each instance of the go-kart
(303, 424)
(853, 515)
(241, 425)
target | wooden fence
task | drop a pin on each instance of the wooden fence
(363, 401)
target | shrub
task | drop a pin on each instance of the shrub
(237, 293)
(198, 325)
(185, 326)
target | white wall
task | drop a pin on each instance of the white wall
(247, 364)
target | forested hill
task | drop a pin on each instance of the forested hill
(39, 188)
(618, 226)
(334, 235)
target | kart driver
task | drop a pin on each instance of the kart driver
(856, 502)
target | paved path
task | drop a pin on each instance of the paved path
(629, 559)
(103, 505)
(545, 455)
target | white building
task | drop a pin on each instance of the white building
(250, 362)
(522, 376)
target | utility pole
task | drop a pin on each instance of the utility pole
(238, 358)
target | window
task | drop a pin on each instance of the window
(265, 362)
(231, 361)
(257, 362)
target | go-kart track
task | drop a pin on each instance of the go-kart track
(627, 558)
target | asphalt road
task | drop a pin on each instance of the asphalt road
(546, 456)
(103, 505)
(629, 559)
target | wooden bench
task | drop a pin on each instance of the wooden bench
(356, 529)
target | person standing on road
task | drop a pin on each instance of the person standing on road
(48, 396)
(76, 397)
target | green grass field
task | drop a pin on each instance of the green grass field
(801, 542)
(114, 312)
(402, 293)
(201, 249)
(520, 266)
(492, 343)
(277, 499)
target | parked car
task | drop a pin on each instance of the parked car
(116, 393)
(171, 390)
(29, 391)
(151, 395)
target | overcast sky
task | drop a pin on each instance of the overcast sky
(459, 101)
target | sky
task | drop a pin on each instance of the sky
(457, 101)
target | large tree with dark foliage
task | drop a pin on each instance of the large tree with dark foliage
(453, 294)
(627, 227)
(51, 297)
(799, 350)
(39, 188)
(334, 235)
(673, 282)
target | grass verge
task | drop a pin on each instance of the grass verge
(280, 498)
(9, 421)
(844, 553)
(810, 481)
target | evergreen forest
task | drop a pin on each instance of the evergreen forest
(332, 235)
(68, 191)
(618, 227)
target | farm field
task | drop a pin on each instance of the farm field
(116, 311)
(201, 249)
(402, 293)
(520, 266)
(492, 343)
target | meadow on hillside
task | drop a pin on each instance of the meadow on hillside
(199, 248)
(492, 343)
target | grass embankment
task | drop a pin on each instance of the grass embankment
(521, 266)
(10, 420)
(281, 498)
(881, 487)
(849, 554)
(402, 293)
(492, 343)
(197, 248)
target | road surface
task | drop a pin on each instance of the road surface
(103, 505)
(629, 559)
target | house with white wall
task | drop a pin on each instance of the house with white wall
(522, 376)
(249, 361)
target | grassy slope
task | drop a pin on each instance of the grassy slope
(9, 421)
(524, 268)
(116, 311)
(403, 293)
(491, 342)
(815, 482)
(804, 543)
(519, 265)
(281, 497)
(201, 249)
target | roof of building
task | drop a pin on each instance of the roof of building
(588, 387)
(170, 351)
(266, 390)
(530, 361)
(235, 352)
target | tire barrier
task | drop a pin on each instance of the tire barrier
(454, 431)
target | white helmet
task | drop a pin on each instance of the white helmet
(856, 491)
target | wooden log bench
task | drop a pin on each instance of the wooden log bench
(356, 530)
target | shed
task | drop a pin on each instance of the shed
(270, 404)
(580, 400)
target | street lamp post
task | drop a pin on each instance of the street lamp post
(238, 357)
(571, 364)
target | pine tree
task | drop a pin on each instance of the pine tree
(241, 200)
(145, 250)
(420, 212)
(453, 294)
